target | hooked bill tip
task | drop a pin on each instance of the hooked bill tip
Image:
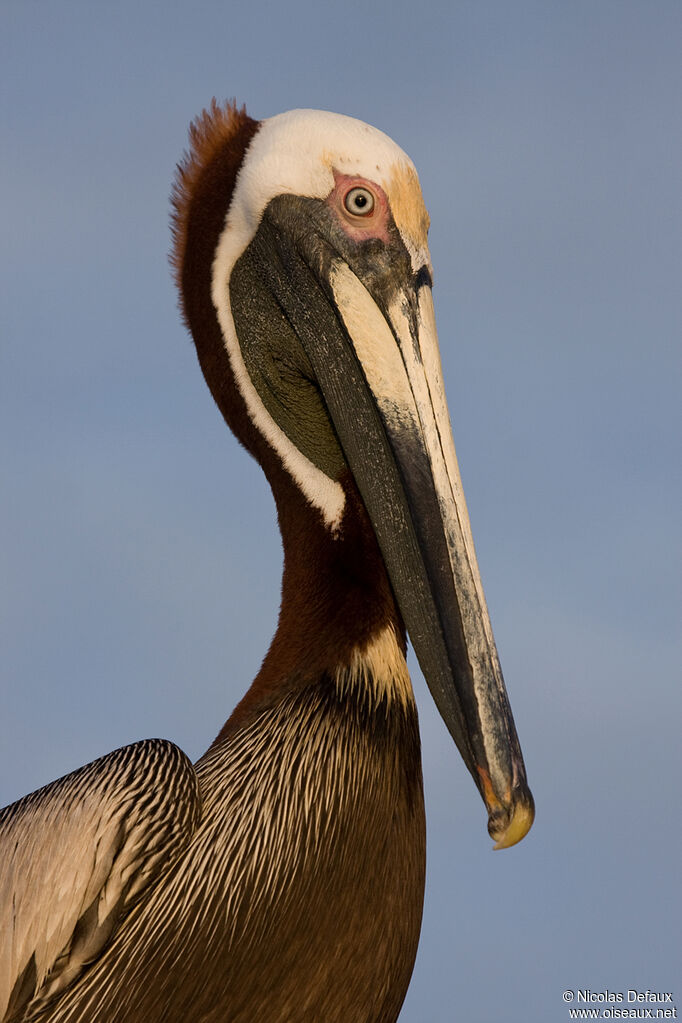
(510, 818)
(508, 827)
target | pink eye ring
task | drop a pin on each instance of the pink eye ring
(359, 202)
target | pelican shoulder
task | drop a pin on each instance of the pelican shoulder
(76, 855)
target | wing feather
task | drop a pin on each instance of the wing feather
(77, 854)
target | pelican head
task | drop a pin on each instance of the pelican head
(302, 259)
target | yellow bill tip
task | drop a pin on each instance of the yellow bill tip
(519, 825)
(511, 817)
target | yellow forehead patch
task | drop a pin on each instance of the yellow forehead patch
(407, 205)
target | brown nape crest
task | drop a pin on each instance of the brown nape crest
(202, 191)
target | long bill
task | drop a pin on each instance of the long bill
(379, 372)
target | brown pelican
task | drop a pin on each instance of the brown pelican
(280, 878)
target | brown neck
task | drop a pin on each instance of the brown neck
(336, 597)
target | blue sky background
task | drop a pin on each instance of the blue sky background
(140, 563)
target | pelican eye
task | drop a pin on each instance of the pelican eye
(359, 202)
